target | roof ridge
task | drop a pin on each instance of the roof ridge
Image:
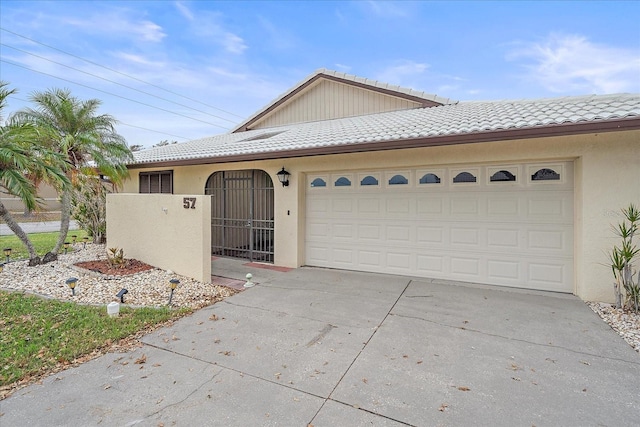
(551, 99)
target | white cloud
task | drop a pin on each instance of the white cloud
(276, 36)
(115, 24)
(233, 43)
(388, 9)
(138, 60)
(184, 10)
(403, 73)
(574, 64)
(206, 26)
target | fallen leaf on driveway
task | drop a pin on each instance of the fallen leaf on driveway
(443, 407)
(463, 388)
(213, 317)
(140, 360)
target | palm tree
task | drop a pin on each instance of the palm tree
(22, 165)
(88, 141)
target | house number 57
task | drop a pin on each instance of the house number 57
(189, 202)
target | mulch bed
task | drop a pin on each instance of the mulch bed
(130, 266)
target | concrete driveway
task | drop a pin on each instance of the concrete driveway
(336, 348)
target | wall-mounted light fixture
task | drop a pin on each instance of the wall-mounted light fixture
(121, 294)
(71, 282)
(7, 253)
(283, 177)
(173, 284)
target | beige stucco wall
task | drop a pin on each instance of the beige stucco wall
(48, 197)
(607, 178)
(157, 229)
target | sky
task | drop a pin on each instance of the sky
(182, 70)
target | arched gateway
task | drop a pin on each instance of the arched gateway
(241, 214)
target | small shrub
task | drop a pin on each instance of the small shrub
(116, 259)
(89, 200)
(622, 260)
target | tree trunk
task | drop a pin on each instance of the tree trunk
(65, 217)
(34, 259)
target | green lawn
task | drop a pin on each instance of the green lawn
(43, 242)
(37, 335)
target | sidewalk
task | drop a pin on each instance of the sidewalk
(37, 227)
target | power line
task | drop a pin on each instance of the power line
(122, 123)
(121, 73)
(151, 130)
(111, 94)
(114, 82)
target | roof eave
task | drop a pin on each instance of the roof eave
(564, 129)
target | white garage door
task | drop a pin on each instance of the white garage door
(506, 225)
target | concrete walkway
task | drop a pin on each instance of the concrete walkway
(336, 348)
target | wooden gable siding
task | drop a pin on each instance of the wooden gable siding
(326, 100)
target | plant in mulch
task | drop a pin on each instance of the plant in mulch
(116, 259)
(622, 259)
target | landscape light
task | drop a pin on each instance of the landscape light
(71, 282)
(249, 283)
(73, 239)
(173, 284)
(66, 247)
(121, 294)
(1, 267)
(7, 253)
(85, 239)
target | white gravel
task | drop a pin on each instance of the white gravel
(625, 323)
(151, 288)
(148, 288)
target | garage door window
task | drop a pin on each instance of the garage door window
(464, 177)
(342, 182)
(545, 174)
(369, 180)
(318, 182)
(398, 180)
(430, 178)
(502, 175)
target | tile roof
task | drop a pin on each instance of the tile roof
(464, 118)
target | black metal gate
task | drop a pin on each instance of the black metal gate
(241, 214)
